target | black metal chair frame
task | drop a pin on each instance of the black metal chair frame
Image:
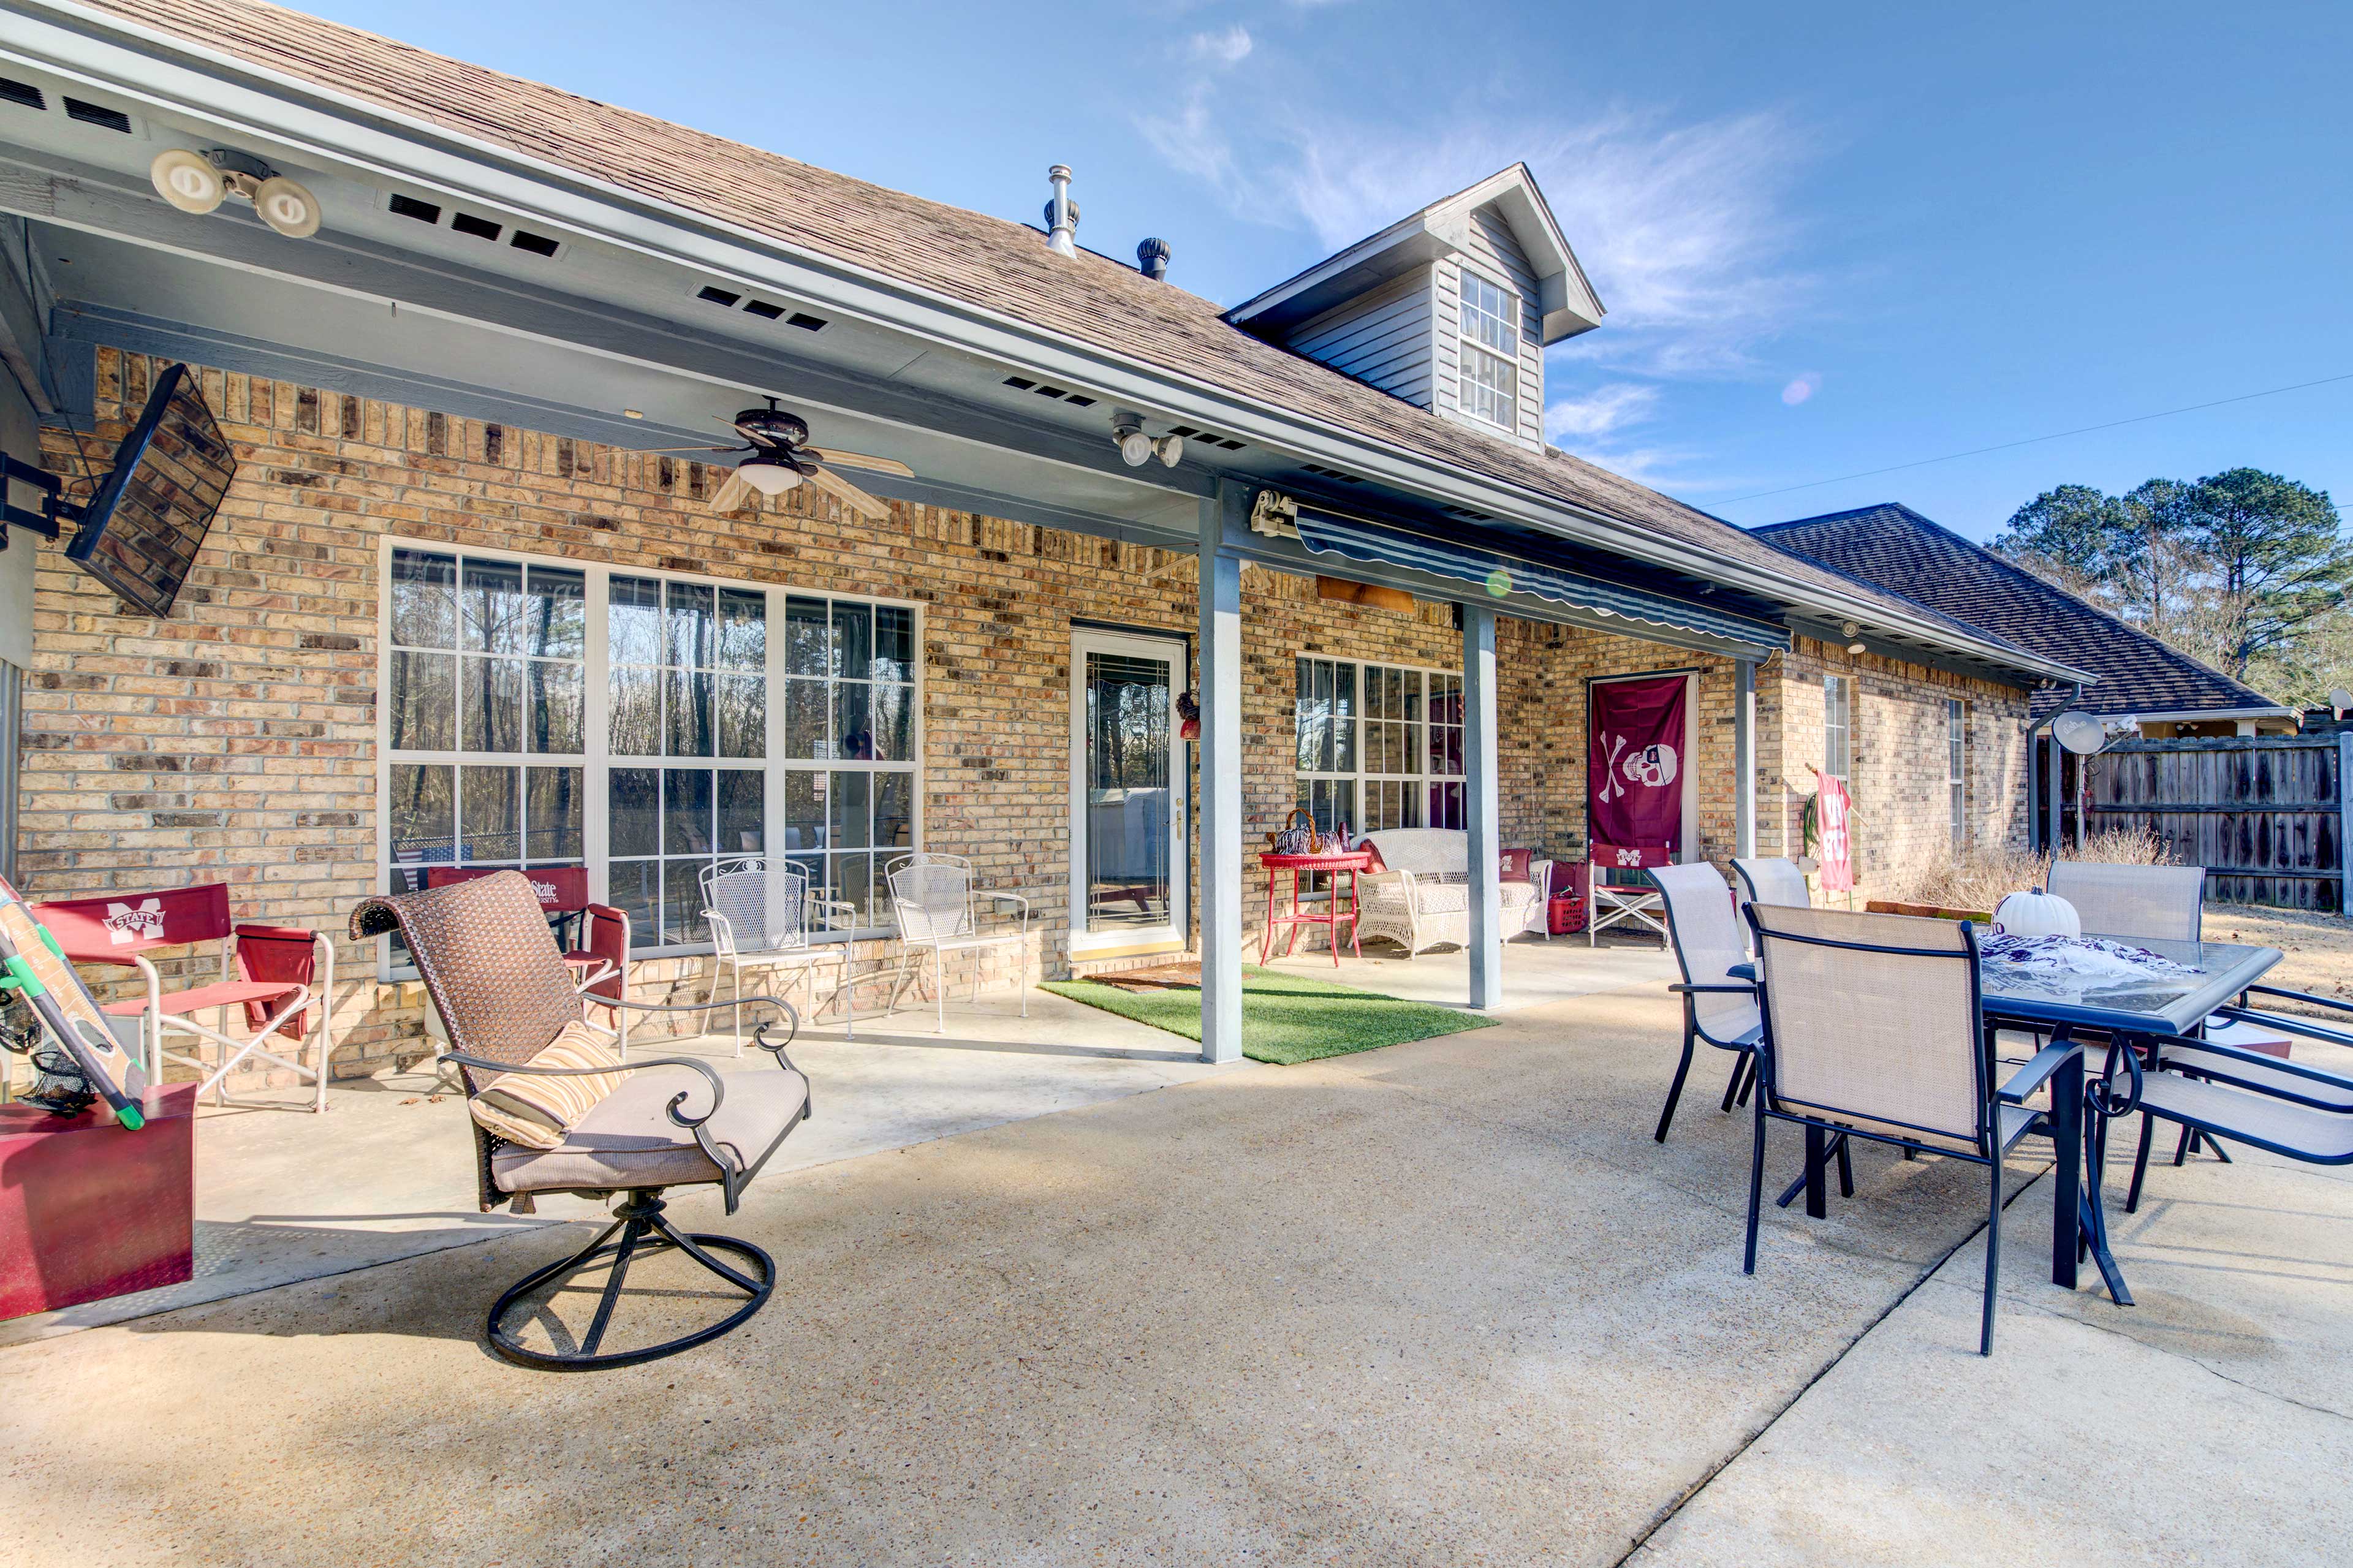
(1743, 1051)
(2059, 1064)
(640, 1219)
(2261, 1074)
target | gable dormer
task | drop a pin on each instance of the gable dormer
(1451, 308)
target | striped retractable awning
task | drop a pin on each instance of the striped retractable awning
(1478, 556)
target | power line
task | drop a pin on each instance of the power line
(2030, 440)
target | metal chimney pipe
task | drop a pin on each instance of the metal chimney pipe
(1062, 214)
(1152, 259)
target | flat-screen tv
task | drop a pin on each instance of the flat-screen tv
(140, 531)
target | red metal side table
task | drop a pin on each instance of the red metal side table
(1335, 914)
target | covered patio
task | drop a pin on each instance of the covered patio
(1537, 1346)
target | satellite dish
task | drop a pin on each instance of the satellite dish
(2079, 732)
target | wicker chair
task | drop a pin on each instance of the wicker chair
(1716, 1008)
(491, 965)
(1422, 899)
(1873, 1030)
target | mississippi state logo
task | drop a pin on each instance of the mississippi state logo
(140, 921)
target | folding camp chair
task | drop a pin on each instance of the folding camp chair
(602, 961)
(281, 977)
(1608, 903)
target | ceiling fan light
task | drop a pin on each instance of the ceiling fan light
(766, 476)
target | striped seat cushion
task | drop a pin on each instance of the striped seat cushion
(537, 1111)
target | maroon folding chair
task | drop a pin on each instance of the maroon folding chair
(281, 977)
(1613, 903)
(601, 964)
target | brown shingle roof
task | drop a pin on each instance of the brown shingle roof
(985, 262)
(1895, 547)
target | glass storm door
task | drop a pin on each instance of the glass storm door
(1127, 792)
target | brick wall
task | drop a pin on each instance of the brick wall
(1902, 803)
(236, 739)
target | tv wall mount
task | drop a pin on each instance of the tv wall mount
(48, 517)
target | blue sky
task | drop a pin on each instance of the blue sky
(1831, 238)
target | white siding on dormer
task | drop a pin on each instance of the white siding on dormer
(1381, 338)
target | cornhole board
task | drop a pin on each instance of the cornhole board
(86, 1213)
(35, 968)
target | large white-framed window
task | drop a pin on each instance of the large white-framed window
(1490, 369)
(1378, 746)
(1838, 729)
(1956, 767)
(541, 712)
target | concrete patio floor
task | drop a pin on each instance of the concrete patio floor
(1441, 1303)
(388, 1172)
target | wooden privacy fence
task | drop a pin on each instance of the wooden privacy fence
(2265, 814)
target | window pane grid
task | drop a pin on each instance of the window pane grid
(1370, 764)
(488, 662)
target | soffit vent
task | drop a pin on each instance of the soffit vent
(472, 224)
(97, 114)
(766, 310)
(1206, 439)
(22, 93)
(1023, 383)
(1331, 473)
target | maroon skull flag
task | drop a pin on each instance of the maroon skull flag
(1633, 775)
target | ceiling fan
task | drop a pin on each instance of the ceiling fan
(781, 458)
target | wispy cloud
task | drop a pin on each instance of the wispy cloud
(1685, 227)
(1600, 412)
(1225, 47)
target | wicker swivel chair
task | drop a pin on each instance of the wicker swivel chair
(491, 967)
(1873, 1030)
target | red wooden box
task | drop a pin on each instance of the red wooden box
(87, 1210)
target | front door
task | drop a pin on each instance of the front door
(1127, 792)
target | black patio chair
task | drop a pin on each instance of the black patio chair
(1873, 1030)
(2212, 1089)
(491, 964)
(1718, 1008)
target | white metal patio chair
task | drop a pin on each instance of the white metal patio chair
(761, 914)
(1708, 943)
(937, 909)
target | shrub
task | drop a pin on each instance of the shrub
(1977, 878)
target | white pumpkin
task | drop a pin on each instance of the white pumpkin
(2037, 913)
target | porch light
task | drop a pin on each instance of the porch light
(187, 180)
(769, 475)
(1854, 635)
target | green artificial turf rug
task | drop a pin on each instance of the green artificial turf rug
(1286, 1018)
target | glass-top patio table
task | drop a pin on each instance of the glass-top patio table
(2131, 1013)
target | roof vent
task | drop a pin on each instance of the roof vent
(1152, 259)
(22, 93)
(1062, 214)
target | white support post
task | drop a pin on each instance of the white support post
(1221, 789)
(1744, 763)
(1483, 806)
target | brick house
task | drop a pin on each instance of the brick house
(459, 606)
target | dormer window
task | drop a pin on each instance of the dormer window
(1491, 351)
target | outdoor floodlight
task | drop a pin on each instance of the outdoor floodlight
(199, 182)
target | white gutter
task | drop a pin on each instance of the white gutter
(362, 138)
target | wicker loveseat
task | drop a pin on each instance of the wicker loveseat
(1421, 897)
